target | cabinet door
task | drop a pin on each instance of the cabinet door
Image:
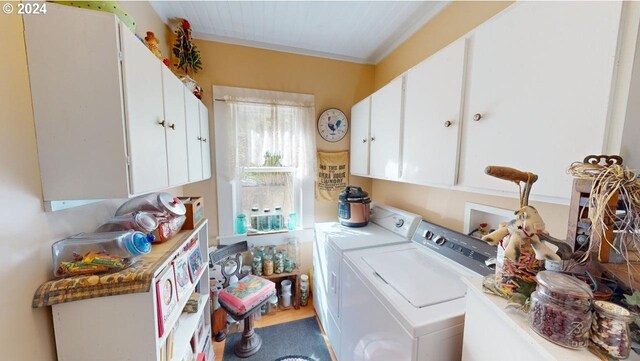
(386, 127)
(432, 114)
(539, 81)
(205, 146)
(176, 131)
(360, 118)
(142, 78)
(194, 153)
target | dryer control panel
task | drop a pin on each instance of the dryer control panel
(395, 220)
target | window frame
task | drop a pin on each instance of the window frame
(228, 186)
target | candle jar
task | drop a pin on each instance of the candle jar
(256, 266)
(267, 265)
(560, 309)
(278, 263)
(610, 329)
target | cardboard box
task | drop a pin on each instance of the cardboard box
(195, 211)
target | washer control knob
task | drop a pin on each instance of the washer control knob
(428, 234)
(439, 240)
(399, 222)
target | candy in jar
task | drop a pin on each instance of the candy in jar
(560, 309)
(610, 329)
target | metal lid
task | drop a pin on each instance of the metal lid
(256, 209)
(612, 310)
(353, 194)
(172, 204)
(266, 210)
(563, 284)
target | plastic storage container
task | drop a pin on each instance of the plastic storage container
(138, 221)
(88, 253)
(155, 203)
(610, 329)
(560, 309)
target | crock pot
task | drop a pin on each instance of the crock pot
(353, 207)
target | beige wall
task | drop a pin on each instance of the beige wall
(27, 232)
(335, 84)
(443, 206)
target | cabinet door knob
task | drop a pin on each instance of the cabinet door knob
(199, 138)
(477, 116)
(373, 139)
(204, 140)
(364, 140)
(162, 122)
(448, 123)
(173, 126)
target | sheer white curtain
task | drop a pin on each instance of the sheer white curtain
(284, 130)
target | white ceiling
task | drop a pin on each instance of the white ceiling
(356, 31)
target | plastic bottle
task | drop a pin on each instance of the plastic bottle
(88, 253)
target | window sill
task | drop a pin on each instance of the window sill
(303, 235)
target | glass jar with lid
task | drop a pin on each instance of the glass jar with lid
(610, 329)
(278, 263)
(256, 266)
(267, 265)
(560, 309)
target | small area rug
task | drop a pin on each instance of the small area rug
(299, 340)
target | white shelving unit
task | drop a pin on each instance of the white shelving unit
(124, 327)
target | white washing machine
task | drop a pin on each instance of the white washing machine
(405, 302)
(387, 226)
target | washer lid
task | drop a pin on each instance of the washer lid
(421, 280)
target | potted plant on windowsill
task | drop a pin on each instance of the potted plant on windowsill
(187, 56)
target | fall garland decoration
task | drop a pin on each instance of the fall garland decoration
(186, 53)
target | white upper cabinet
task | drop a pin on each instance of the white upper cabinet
(192, 110)
(110, 117)
(205, 141)
(539, 87)
(359, 127)
(432, 117)
(146, 124)
(386, 131)
(175, 127)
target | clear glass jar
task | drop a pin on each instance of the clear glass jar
(263, 221)
(610, 329)
(560, 309)
(517, 276)
(278, 263)
(267, 265)
(256, 266)
(288, 265)
(278, 217)
(293, 250)
(304, 290)
(255, 215)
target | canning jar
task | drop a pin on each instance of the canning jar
(256, 266)
(610, 328)
(560, 309)
(278, 263)
(267, 265)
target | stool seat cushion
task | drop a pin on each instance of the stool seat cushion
(246, 293)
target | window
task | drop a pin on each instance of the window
(265, 154)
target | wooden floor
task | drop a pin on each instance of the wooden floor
(275, 319)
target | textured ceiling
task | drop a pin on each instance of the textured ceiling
(357, 31)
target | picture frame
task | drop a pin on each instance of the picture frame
(196, 263)
(182, 275)
(166, 297)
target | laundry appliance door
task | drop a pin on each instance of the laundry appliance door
(370, 332)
